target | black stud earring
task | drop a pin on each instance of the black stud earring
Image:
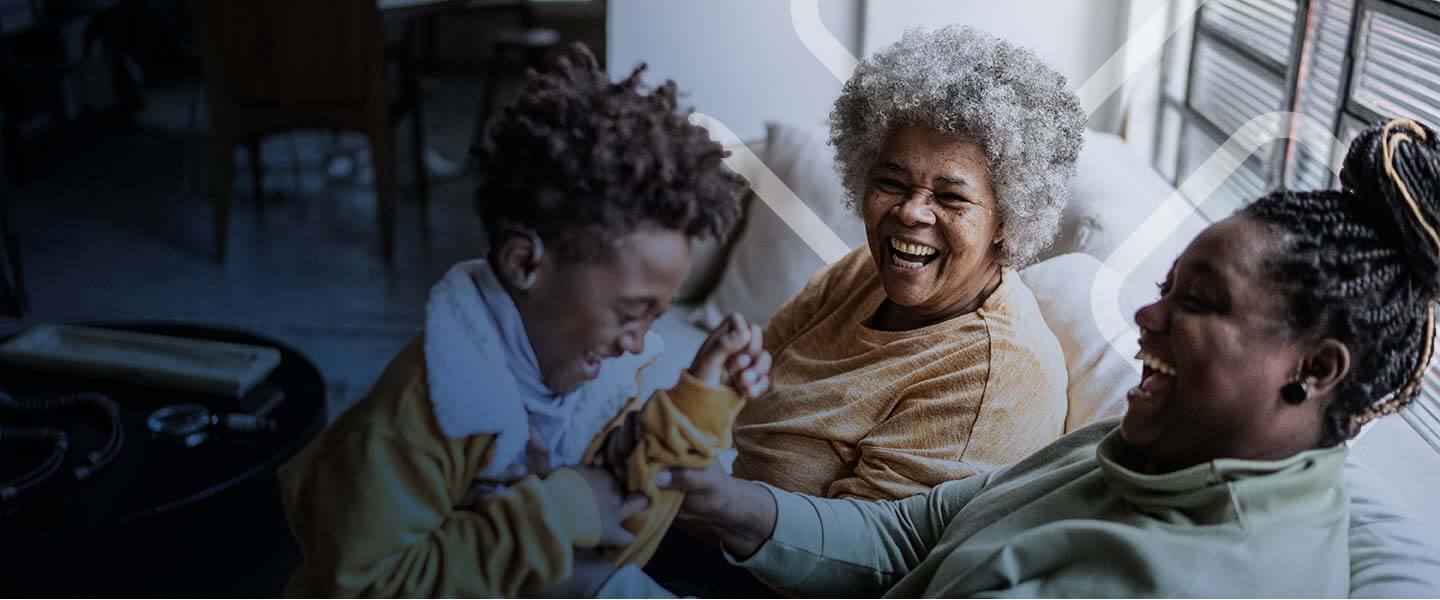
(1295, 392)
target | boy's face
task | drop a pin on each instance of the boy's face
(580, 313)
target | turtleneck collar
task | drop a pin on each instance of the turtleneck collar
(1228, 489)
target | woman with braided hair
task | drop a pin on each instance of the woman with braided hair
(1278, 334)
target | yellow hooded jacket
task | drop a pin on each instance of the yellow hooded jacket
(375, 500)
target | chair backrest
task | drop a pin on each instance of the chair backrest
(302, 54)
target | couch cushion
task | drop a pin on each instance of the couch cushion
(1394, 553)
(1099, 376)
(769, 263)
(1113, 192)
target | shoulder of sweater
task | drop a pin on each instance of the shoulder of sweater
(1013, 305)
(399, 405)
(1012, 318)
(1076, 447)
(855, 269)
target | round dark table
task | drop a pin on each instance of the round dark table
(160, 520)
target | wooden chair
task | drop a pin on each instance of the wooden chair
(278, 65)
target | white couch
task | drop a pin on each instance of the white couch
(764, 262)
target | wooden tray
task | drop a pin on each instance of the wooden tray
(160, 360)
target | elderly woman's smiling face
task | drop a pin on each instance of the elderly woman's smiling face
(931, 224)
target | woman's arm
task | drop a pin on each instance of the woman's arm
(815, 546)
(736, 513)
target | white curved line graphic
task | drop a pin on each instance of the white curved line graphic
(805, 17)
(1128, 59)
(774, 193)
(1147, 237)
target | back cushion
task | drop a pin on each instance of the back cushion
(1099, 374)
(1393, 553)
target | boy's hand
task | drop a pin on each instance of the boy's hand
(619, 444)
(614, 504)
(733, 355)
(749, 371)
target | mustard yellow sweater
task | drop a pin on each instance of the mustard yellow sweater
(854, 411)
(375, 500)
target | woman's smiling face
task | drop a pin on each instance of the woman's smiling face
(1217, 349)
(931, 223)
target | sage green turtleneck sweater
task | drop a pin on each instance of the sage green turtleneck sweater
(1071, 521)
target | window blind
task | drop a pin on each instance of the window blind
(1319, 93)
(1397, 71)
(1264, 26)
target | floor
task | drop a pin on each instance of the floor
(107, 233)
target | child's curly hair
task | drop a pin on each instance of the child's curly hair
(584, 162)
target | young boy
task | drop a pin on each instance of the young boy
(470, 468)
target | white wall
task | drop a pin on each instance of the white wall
(742, 62)
(739, 61)
(1074, 36)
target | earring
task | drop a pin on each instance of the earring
(1295, 392)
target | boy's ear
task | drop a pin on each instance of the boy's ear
(518, 260)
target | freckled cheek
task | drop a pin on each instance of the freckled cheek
(965, 234)
(873, 209)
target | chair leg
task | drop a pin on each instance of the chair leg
(257, 175)
(422, 176)
(187, 175)
(382, 160)
(224, 165)
(12, 267)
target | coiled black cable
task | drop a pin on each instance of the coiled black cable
(11, 488)
(92, 462)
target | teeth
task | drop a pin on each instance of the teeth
(905, 264)
(1155, 363)
(908, 248)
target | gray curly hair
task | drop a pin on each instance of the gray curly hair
(1001, 96)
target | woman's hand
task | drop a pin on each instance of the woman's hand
(614, 504)
(734, 355)
(739, 514)
(708, 492)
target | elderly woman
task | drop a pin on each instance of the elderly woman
(1279, 332)
(922, 358)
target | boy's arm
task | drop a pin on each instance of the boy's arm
(686, 426)
(374, 517)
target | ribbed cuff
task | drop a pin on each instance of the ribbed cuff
(793, 548)
(711, 409)
(578, 515)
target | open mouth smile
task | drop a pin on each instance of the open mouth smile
(1155, 379)
(911, 255)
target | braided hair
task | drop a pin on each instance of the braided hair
(1362, 265)
(583, 161)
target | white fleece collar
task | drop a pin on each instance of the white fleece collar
(477, 386)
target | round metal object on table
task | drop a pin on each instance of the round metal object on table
(162, 519)
(186, 425)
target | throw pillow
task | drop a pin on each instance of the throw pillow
(769, 262)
